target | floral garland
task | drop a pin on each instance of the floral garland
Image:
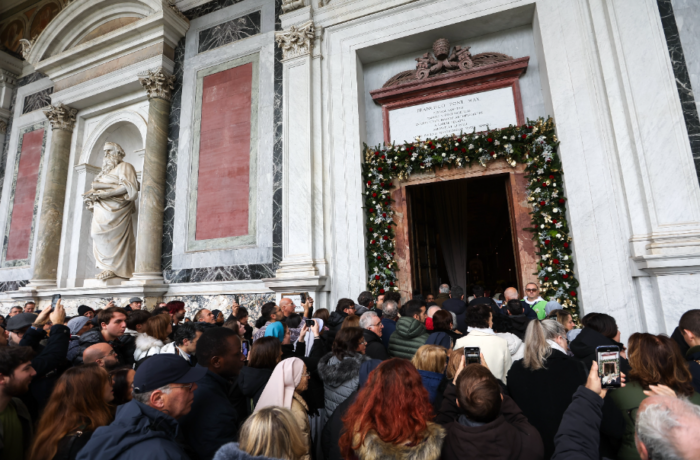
(533, 144)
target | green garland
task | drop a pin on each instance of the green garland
(534, 145)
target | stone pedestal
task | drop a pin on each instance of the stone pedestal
(149, 235)
(62, 120)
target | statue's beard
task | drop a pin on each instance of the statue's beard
(110, 162)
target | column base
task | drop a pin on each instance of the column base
(40, 284)
(296, 268)
(145, 279)
(296, 284)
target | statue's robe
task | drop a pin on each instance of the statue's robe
(114, 244)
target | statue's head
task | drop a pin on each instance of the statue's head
(114, 155)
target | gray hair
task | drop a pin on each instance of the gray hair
(432, 310)
(656, 427)
(537, 350)
(145, 398)
(366, 319)
(444, 289)
(454, 321)
(390, 309)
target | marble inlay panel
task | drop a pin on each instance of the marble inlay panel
(12, 285)
(37, 101)
(680, 71)
(237, 272)
(252, 302)
(229, 32)
(26, 261)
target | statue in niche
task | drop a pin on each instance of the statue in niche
(111, 199)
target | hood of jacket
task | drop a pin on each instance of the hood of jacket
(409, 328)
(334, 372)
(251, 380)
(231, 451)
(519, 322)
(585, 343)
(135, 423)
(336, 319)
(145, 342)
(375, 449)
(92, 337)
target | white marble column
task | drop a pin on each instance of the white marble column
(297, 271)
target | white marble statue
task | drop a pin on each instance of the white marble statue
(111, 199)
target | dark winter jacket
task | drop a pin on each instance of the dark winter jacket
(71, 444)
(389, 329)
(578, 434)
(252, 382)
(510, 436)
(375, 347)
(518, 325)
(333, 430)
(693, 357)
(409, 336)
(27, 426)
(124, 346)
(213, 420)
(543, 395)
(73, 348)
(431, 382)
(459, 308)
(340, 378)
(138, 432)
(233, 452)
(584, 348)
(441, 298)
(49, 364)
(677, 336)
(335, 321)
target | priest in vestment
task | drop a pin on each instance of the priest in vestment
(111, 199)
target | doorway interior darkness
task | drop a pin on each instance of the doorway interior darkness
(461, 235)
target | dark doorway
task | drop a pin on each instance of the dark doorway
(461, 235)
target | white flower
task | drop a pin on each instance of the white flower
(374, 202)
(444, 155)
(558, 225)
(554, 184)
(481, 150)
(549, 269)
(496, 143)
(456, 144)
(542, 226)
(555, 210)
(512, 138)
(540, 171)
(471, 146)
(566, 257)
(537, 190)
(555, 282)
(505, 137)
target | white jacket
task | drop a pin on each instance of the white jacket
(515, 345)
(146, 346)
(172, 349)
(494, 348)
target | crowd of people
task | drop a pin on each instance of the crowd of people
(375, 378)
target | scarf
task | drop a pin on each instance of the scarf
(309, 337)
(275, 330)
(556, 346)
(279, 390)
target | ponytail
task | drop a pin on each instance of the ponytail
(537, 350)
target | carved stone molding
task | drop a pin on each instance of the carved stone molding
(7, 78)
(26, 46)
(173, 6)
(61, 117)
(3, 127)
(158, 84)
(291, 5)
(297, 41)
(445, 59)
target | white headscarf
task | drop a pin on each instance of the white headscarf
(309, 337)
(279, 390)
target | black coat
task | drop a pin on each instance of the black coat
(334, 429)
(375, 347)
(577, 438)
(693, 357)
(584, 348)
(459, 308)
(518, 325)
(124, 346)
(213, 420)
(682, 344)
(544, 394)
(252, 382)
(335, 321)
(71, 444)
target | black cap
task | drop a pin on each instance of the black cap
(164, 369)
(20, 321)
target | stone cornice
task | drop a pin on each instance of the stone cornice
(158, 84)
(297, 40)
(61, 117)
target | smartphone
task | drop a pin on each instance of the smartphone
(245, 349)
(609, 366)
(54, 301)
(472, 355)
(309, 323)
(303, 297)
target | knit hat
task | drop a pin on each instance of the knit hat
(551, 306)
(77, 323)
(84, 309)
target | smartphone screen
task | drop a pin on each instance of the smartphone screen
(472, 355)
(609, 367)
(54, 300)
(310, 322)
(245, 349)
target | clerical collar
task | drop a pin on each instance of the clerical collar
(538, 299)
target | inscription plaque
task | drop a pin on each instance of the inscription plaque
(478, 111)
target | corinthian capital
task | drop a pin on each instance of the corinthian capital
(297, 41)
(61, 117)
(158, 84)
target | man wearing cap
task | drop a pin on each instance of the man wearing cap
(78, 326)
(147, 426)
(134, 304)
(86, 311)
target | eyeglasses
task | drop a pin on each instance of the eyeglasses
(364, 342)
(187, 387)
(532, 290)
(306, 374)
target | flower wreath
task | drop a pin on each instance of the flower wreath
(533, 144)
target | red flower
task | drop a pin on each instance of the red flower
(565, 276)
(376, 153)
(393, 166)
(551, 176)
(432, 147)
(554, 221)
(383, 214)
(389, 185)
(464, 150)
(541, 264)
(546, 278)
(547, 241)
(385, 237)
(493, 154)
(566, 245)
(561, 200)
(459, 140)
(391, 283)
(369, 183)
(573, 293)
(556, 261)
(382, 184)
(370, 229)
(524, 136)
(455, 149)
(379, 168)
(381, 291)
(489, 139)
(374, 195)
(386, 203)
(379, 257)
(372, 242)
(383, 157)
(542, 203)
(388, 266)
(377, 277)
(371, 210)
(529, 127)
(544, 184)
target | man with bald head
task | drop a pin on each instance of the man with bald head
(512, 294)
(103, 354)
(287, 307)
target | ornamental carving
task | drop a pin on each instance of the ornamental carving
(291, 5)
(61, 117)
(158, 84)
(3, 127)
(443, 59)
(26, 46)
(173, 6)
(297, 41)
(8, 77)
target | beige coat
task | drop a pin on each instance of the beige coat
(494, 348)
(301, 414)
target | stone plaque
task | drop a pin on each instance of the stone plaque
(478, 111)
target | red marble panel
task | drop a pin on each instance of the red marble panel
(224, 154)
(25, 194)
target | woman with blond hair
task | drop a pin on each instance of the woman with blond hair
(78, 406)
(431, 363)
(155, 336)
(269, 434)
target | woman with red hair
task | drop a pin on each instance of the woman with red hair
(377, 426)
